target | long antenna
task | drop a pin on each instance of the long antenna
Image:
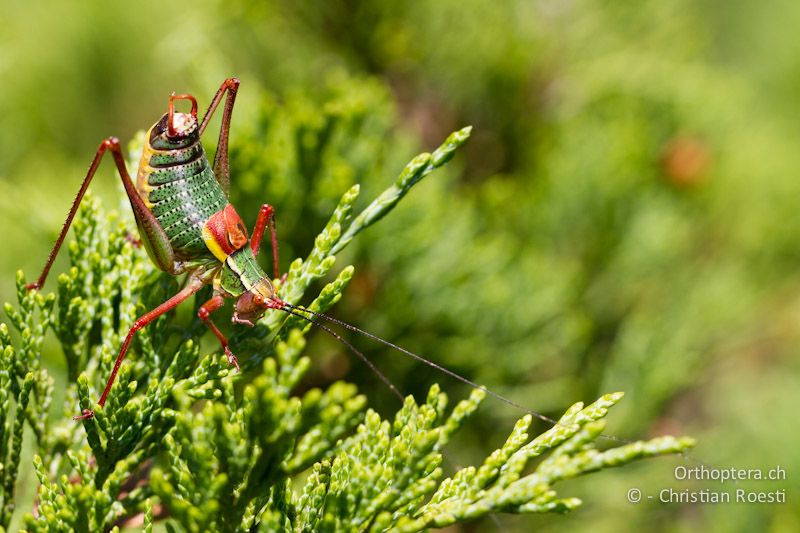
(297, 310)
(293, 309)
(352, 348)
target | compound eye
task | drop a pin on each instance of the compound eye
(259, 299)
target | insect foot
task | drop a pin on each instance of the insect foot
(85, 415)
(232, 359)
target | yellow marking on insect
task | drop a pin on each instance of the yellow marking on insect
(145, 189)
(213, 245)
(142, 186)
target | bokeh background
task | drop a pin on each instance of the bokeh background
(625, 216)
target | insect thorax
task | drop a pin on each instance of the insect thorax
(241, 273)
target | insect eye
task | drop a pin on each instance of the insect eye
(259, 299)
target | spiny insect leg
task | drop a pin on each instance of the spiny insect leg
(204, 313)
(221, 170)
(141, 322)
(266, 216)
(112, 144)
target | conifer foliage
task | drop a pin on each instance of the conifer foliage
(184, 440)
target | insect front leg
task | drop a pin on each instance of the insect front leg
(141, 322)
(147, 222)
(266, 216)
(204, 313)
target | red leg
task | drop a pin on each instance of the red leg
(148, 221)
(204, 313)
(111, 143)
(141, 322)
(266, 216)
(221, 171)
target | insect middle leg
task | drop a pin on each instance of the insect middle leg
(204, 313)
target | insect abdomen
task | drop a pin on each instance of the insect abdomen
(180, 189)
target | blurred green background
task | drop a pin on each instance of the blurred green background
(625, 216)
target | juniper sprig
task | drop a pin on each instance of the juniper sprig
(183, 439)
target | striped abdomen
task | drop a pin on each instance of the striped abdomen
(177, 184)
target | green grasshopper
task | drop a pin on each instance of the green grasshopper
(187, 225)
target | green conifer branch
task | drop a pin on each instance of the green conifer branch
(417, 168)
(177, 434)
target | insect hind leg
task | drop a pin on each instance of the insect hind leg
(147, 222)
(221, 169)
